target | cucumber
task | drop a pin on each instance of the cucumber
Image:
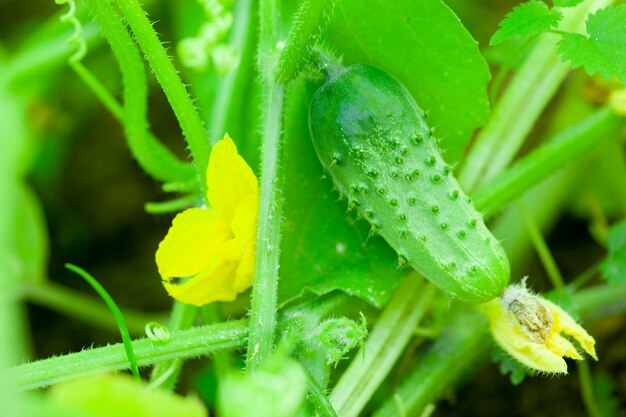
(373, 140)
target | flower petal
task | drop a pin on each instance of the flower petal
(564, 322)
(245, 272)
(244, 220)
(229, 178)
(214, 283)
(515, 342)
(196, 234)
(563, 347)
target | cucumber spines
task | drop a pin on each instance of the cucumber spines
(374, 141)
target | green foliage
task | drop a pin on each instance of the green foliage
(604, 392)
(106, 395)
(507, 365)
(602, 50)
(276, 389)
(564, 299)
(425, 46)
(338, 336)
(527, 19)
(614, 267)
(323, 250)
(567, 3)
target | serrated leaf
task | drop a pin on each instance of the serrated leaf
(614, 267)
(566, 3)
(425, 46)
(530, 18)
(603, 51)
(324, 248)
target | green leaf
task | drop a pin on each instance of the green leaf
(528, 19)
(324, 249)
(614, 267)
(566, 3)
(276, 389)
(507, 365)
(425, 46)
(106, 395)
(602, 51)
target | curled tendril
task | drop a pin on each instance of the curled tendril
(157, 332)
(76, 38)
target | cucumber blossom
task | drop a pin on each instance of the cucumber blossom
(372, 138)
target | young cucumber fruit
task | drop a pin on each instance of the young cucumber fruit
(372, 138)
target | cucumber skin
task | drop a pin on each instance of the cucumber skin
(372, 138)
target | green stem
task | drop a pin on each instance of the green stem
(174, 205)
(594, 303)
(263, 308)
(542, 248)
(544, 161)
(309, 23)
(170, 82)
(602, 301)
(586, 388)
(388, 339)
(457, 350)
(167, 372)
(191, 343)
(231, 89)
(99, 90)
(45, 55)
(153, 157)
(81, 307)
(319, 400)
(119, 318)
(519, 107)
(269, 234)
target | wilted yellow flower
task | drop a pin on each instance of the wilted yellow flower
(529, 328)
(208, 254)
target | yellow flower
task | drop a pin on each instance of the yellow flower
(208, 254)
(529, 328)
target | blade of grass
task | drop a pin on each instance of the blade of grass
(119, 318)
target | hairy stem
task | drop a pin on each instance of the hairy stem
(170, 82)
(269, 234)
(167, 372)
(309, 23)
(263, 308)
(153, 157)
(191, 343)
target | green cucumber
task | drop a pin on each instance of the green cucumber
(372, 138)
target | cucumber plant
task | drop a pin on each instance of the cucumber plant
(524, 125)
